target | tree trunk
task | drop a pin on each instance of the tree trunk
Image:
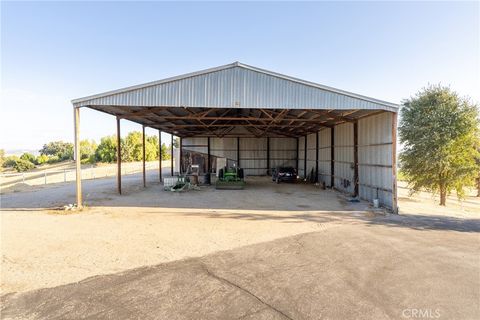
(478, 186)
(443, 195)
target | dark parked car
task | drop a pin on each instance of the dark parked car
(280, 174)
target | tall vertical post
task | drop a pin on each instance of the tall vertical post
(238, 151)
(298, 152)
(332, 157)
(180, 169)
(316, 158)
(171, 155)
(160, 155)
(209, 165)
(394, 163)
(78, 166)
(268, 155)
(143, 158)
(305, 158)
(355, 159)
(119, 158)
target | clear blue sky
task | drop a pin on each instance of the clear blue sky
(54, 52)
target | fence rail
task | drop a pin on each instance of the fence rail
(49, 176)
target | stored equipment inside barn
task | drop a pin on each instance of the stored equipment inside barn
(258, 120)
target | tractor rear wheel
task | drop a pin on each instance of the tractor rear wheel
(220, 174)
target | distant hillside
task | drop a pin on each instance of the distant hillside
(19, 152)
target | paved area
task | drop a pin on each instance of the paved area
(251, 254)
(381, 269)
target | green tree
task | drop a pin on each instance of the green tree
(87, 150)
(132, 149)
(176, 142)
(63, 150)
(29, 157)
(2, 157)
(165, 152)
(440, 133)
(107, 150)
(151, 148)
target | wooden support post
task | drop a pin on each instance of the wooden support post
(171, 156)
(316, 158)
(332, 157)
(160, 156)
(238, 152)
(394, 162)
(143, 158)
(268, 156)
(119, 158)
(208, 156)
(355, 159)
(181, 157)
(298, 153)
(78, 166)
(305, 158)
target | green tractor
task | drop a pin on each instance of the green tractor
(230, 179)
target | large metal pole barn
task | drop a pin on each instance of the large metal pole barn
(262, 119)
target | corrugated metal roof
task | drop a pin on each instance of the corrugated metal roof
(235, 85)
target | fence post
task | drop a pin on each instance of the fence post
(93, 172)
(64, 175)
(45, 175)
(23, 177)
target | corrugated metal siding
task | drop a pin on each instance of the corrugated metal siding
(196, 144)
(311, 150)
(283, 152)
(301, 156)
(344, 170)
(324, 156)
(224, 148)
(234, 87)
(374, 139)
(253, 156)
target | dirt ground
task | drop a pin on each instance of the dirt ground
(427, 257)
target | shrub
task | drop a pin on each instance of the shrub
(23, 165)
(41, 159)
(10, 161)
(53, 159)
(28, 157)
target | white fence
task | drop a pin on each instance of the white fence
(48, 176)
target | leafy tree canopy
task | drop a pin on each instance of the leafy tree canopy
(63, 150)
(107, 150)
(440, 133)
(87, 150)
